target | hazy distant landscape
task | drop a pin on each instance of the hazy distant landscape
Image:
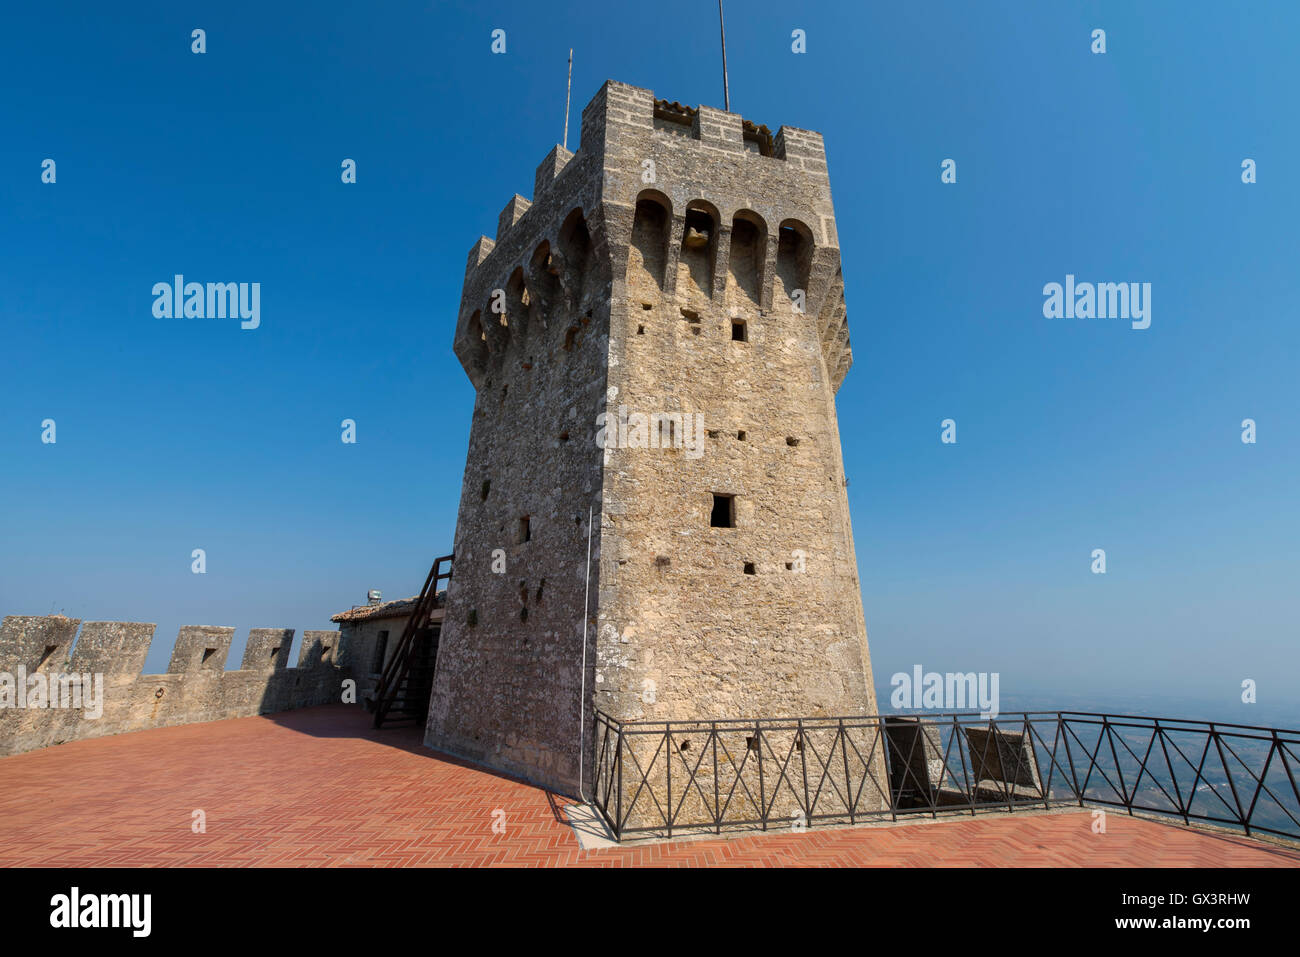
(1283, 715)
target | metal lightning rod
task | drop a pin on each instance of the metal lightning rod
(726, 93)
(567, 89)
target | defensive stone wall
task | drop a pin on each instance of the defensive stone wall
(43, 663)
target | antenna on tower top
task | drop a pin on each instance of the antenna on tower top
(567, 89)
(726, 93)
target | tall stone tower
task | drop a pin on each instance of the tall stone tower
(657, 339)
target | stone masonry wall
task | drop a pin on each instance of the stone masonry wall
(696, 221)
(196, 686)
(360, 633)
(763, 618)
(508, 680)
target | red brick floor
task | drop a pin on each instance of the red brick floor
(319, 787)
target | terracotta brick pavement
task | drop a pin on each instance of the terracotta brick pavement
(319, 787)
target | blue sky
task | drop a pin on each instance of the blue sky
(1073, 434)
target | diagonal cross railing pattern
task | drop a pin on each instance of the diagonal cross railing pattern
(700, 776)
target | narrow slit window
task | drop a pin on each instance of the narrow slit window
(724, 511)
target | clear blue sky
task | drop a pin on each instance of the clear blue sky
(1072, 434)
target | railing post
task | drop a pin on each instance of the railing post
(762, 799)
(1223, 759)
(803, 763)
(923, 739)
(889, 784)
(618, 761)
(1263, 776)
(668, 762)
(717, 801)
(1114, 756)
(995, 737)
(848, 784)
(1062, 728)
(1173, 775)
(960, 745)
(1286, 766)
(1044, 786)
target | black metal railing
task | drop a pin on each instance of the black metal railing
(699, 776)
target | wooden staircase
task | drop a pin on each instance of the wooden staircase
(402, 695)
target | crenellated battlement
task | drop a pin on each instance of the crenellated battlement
(706, 170)
(620, 112)
(195, 687)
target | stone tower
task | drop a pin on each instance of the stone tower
(656, 337)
